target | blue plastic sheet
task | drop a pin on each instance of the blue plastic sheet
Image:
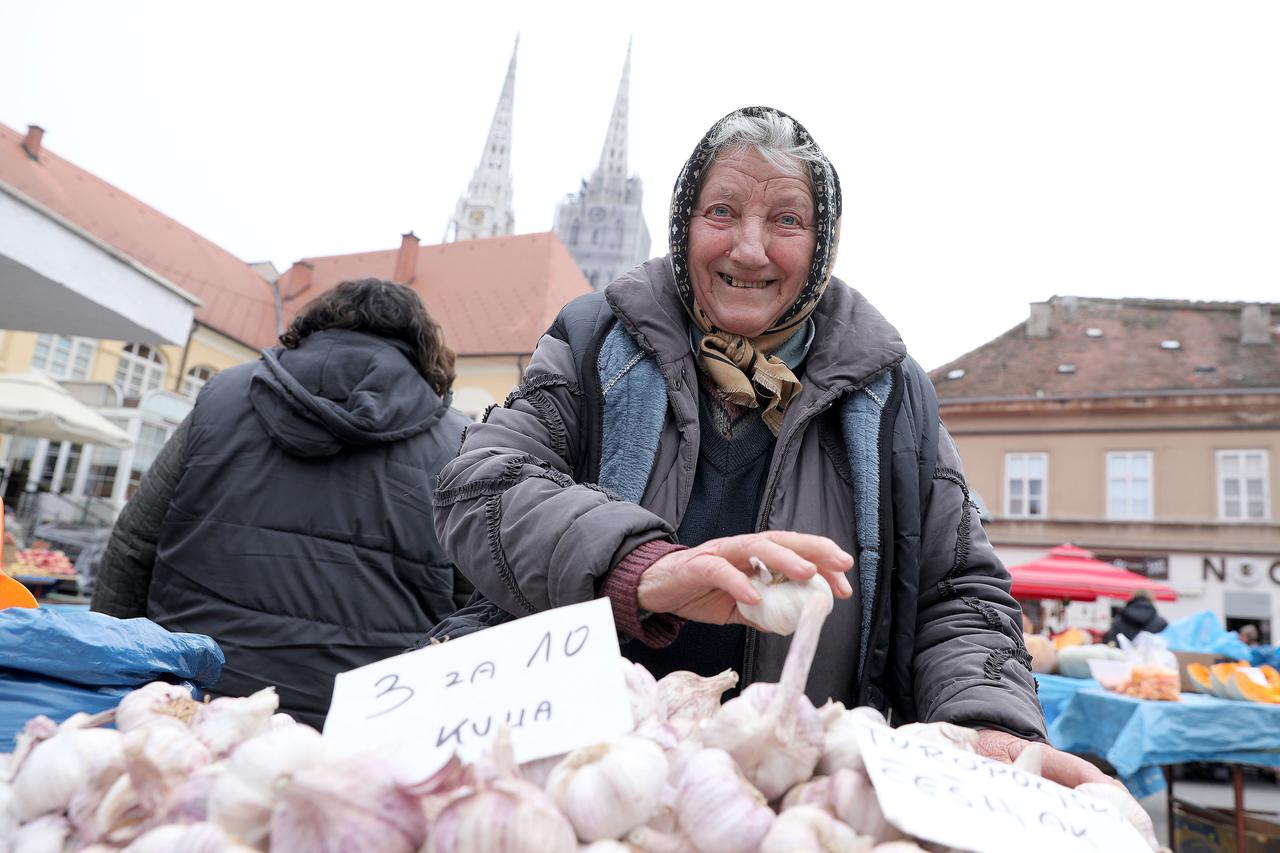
(1137, 737)
(59, 662)
(1203, 632)
(89, 648)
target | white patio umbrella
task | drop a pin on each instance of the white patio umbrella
(33, 405)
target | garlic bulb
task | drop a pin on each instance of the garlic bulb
(160, 756)
(807, 828)
(245, 793)
(37, 729)
(46, 834)
(646, 700)
(647, 839)
(943, 734)
(840, 747)
(773, 731)
(503, 815)
(610, 846)
(782, 599)
(899, 847)
(156, 700)
(689, 698)
(189, 838)
(8, 821)
(497, 812)
(354, 804)
(58, 767)
(609, 789)
(1128, 807)
(717, 809)
(228, 721)
(849, 796)
(537, 772)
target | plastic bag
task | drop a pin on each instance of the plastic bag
(1154, 673)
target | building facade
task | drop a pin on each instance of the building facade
(1147, 431)
(603, 223)
(144, 385)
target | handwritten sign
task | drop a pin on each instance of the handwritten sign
(968, 802)
(554, 678)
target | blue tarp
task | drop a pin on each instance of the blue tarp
(58, 662)
(1055, 691)
(1203, 632)
(1138, 737)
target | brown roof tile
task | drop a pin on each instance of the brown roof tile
(1127, 356)
(491, 296)
(237, 302)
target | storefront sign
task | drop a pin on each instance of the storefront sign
(961, 800)
(1156, 568)
(554, 678)
(1242, 571)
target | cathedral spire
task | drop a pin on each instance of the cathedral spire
(485, 209)
(608, 184)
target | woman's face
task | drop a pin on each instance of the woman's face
(751, 240)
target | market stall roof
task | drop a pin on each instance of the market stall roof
(1072, 573)
(32, 404)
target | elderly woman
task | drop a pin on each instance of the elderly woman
(734, 400)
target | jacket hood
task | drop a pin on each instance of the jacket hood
(340, 388)
(1140, 611)
(852, 341)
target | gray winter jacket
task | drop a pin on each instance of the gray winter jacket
(931, 633)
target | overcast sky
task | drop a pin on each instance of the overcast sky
(992, 153)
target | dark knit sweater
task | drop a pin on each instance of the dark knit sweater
(735, 447)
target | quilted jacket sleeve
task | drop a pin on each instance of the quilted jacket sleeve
(971, 666)
(508, 511)
(124, 576)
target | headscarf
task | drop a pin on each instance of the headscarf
(740, 367)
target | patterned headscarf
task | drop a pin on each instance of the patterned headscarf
(737, 364)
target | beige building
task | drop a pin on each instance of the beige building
(1147, 431)
(144, 385)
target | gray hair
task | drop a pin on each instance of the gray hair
(773, 136)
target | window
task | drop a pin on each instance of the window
(74, 452)
(1242, 485)
(141, 368)
(102, 472)
(196, 377)
(1024, 477)
(1129, 486)
(62, 357)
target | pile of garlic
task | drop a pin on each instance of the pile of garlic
(694, 776)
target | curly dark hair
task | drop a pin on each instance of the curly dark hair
(380, 308)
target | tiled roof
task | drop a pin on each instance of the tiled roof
(236, 301)
(492, 296)
(1095, 347)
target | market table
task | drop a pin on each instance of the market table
(1143, 739)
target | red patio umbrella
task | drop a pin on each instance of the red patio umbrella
(1071, 573)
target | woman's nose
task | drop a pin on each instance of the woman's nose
(749, 244)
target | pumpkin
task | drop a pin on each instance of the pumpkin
(1072, 637)
(1073, 661)
(1252, 691)
(1044, 657)
(1198, 674)
(1220, 677)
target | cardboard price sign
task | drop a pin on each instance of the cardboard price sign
(969, 802)
(554, 678)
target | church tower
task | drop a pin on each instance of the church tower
(485, 209)
(603, 224)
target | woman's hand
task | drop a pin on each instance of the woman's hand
(706, 583)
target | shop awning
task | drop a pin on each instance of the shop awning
(1071, 573)
(56, 277)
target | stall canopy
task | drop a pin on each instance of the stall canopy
(32, 404)
(1072, 574)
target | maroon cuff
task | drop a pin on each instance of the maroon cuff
(660, 629)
